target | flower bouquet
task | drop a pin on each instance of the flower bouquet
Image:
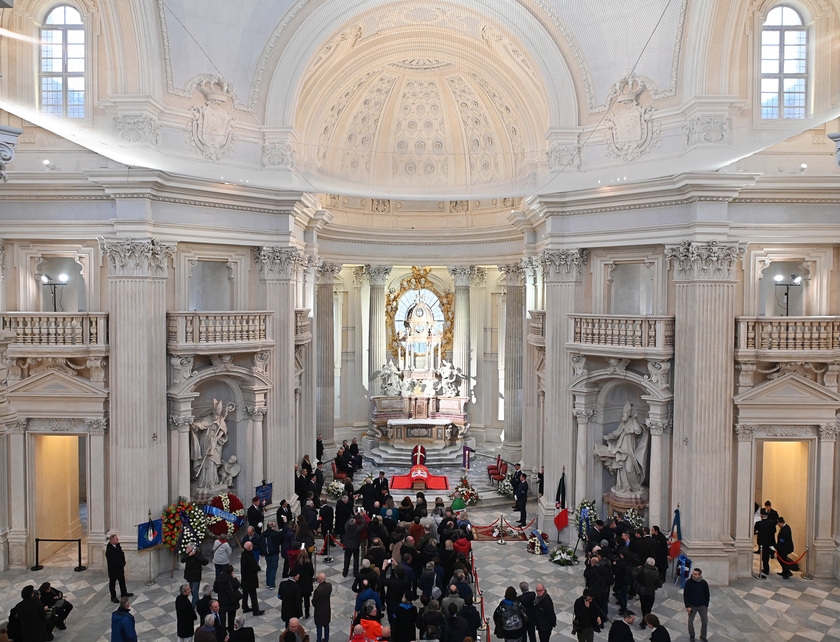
(185, 522)
(585, 515)
(535, 546)
(563, 555)
(509, 532)
(467, 491)
(635, 518)
(335, 488)
(231, 504)
(505, 488)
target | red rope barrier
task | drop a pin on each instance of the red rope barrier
(336, 542)
(524, 528)
(794, 562)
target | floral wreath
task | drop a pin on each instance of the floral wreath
(535, 545)
(229, 503)
(505, 488)
(592, 512)
(634, 517)
(173, 525)
(335, 488)
(468, 492)
(563, 555)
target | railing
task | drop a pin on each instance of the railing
(788, 333)
(627, 331)
(195, 328)
(302, 323)
(57, 328)
(537, 323)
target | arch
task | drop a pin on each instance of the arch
(595, 380)
(198, 377)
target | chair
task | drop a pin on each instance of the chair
(336, 474)
(501, 474)
(493, 469)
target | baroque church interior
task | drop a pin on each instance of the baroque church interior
(299, 214)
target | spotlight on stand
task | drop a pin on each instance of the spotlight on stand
(795, 281)
(53, 285)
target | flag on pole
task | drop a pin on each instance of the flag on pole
(150, 534)
(675, 536)
(561, 519)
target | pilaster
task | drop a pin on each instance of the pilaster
(659, 482)
(514, 343)
(97, 500)
(744, 499)
(479, 311)
(562, 272)
(278, 270)
(137, 276)
(377, 276)
(825, 554)
(325, 346)
(461, 331)
(704, 336)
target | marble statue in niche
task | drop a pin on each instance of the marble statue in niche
(624, 453)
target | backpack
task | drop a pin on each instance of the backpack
(511, 617)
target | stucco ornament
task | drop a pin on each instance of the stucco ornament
(211, 129)
(632, 131)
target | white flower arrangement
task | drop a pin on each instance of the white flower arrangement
(505, 488)
(635, 518)
(509, 532)
(563, 555)
(592, 511)
(335, 488)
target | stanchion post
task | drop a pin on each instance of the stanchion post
(327, 537)
(38, 566)
(502, 529)
(80, 568)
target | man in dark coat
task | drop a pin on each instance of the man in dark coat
(471, 615)
(250, 569)
(784, 547)
(326, 517)
(116, 568)
(256, 539)
(380, 483)
(52, 598)
(321, 606)
(31, 617)
(285, 517)
(292, 599)
(526, 603)
(318, 480)
(766, 530)
(343, 512)
(193, 560)
(255, 515)
(185, 615)
(241, 633)
(301, 485)
(319, 448)
(522, 498)
(587, 618)
(352, 540)
(544, 615)
(515, 480)
(620, 630)
(310, 515)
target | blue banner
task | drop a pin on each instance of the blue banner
(583, 525)
(264, 492)
(228, 517)
(150, 534)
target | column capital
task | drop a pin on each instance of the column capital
(583, 415)
(704, 261)
(659, 427)
(137, 258)
(182, 423)
(17, 427)
(744, 432)
(378, 274)
(98, 426)
(478, 279)
(327, 272)
(828, 432)
(462, 275)
(277, 263)
(563, 266)
(513, 274)
(257, 413)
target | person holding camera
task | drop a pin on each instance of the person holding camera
(54, 599)
(586, 618)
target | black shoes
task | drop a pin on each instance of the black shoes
(127, 595)
(259, 612)
(246, 610)
(114, 599)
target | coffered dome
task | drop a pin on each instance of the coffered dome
(422, 107)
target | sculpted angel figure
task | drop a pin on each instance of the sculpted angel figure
(625, 451)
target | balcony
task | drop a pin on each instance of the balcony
(627, 337)
(218, 332)
(57, 334)
(536, 327)
(787, 338)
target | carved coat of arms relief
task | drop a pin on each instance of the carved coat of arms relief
(211, 128)
(631, 129)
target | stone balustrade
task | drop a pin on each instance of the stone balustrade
(198, 332)
(623, 336)
(57, 329)
(788, 334)
(536, 325)
(303, 326)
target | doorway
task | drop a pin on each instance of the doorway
(60, 497)
(782, 478)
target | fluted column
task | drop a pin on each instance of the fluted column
(378, 275)
(583, 454)
(479, 311)
(562, 272)
(514, 342)
(138, 449)
(97, 496)
(278, 270)
(703, 385)
(658, 481)
(325, 346)
(825, 552)
(256, 410)
(744, 499)
(461, 331)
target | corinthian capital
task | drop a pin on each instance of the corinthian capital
(828, 432)
(563, 266)
(710, 261)
(378, 274)
(461, 274)
(137, 258)
(277, 262)
(513, 274)
(658, 427)
(327, 273)
(744, 432)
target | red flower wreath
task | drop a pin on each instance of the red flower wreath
(172, 525)
(229, 503)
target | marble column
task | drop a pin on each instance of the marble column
(305, 356)
(745, 489)
(479, 312)
(825, 561)
(325, 346)
(137, 442)
(256, 410)
(461, 331)
(658, 481)
(278, 270)
(180, 465)
(514, 344)
(377, 353)
(583, 453)
(7, 422)
(703, 384)
(21, 553)
(97, 496)
(562, 272)
(355, 387)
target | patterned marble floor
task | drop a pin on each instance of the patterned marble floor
(770, 610)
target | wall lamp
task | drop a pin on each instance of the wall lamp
(795, 281)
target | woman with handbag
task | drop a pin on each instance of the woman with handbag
(303, 568)
(227, 587)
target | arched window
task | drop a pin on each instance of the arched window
(784, 64)
(63, 63)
